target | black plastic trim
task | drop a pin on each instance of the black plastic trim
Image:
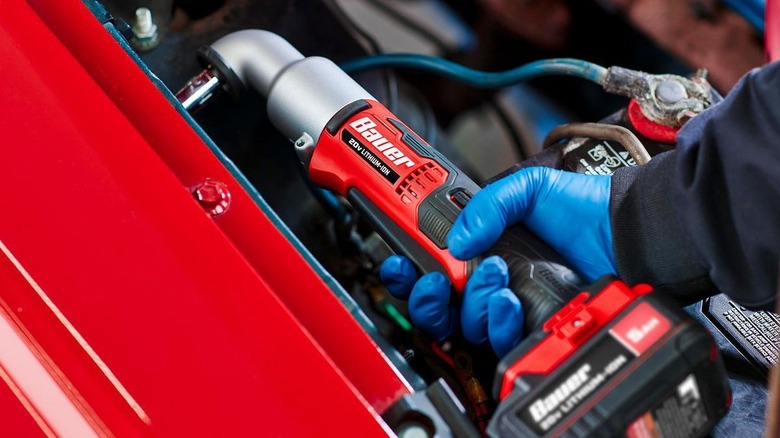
(398, 239)
(438, 211)
(340, 118)
(461, 197)
(412, 140)
(451, 410)
(436, 227)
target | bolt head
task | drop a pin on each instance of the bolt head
(144, 25)
(670, 91)
(145, 32)
(213, 196)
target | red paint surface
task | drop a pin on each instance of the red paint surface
(23, 424)
(215, 327)
(772, 30)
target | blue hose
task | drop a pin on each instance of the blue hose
(481, 79)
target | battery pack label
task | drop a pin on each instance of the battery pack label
(369, 157)
(629, 338)
(639, 330)
(679, 415)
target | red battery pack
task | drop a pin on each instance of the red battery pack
(615, 361)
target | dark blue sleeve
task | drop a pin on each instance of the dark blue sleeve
(706, 217)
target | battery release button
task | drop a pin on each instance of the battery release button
(460, 197)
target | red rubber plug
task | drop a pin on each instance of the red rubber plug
(649, 128)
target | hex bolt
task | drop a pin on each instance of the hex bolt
(144, 25)
(213, 196)
(144, 29)
(670, 91)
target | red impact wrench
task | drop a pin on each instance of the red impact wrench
(351, 144)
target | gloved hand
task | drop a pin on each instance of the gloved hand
(569, 211)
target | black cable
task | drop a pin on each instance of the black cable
(505, 120)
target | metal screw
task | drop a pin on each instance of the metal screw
(146, 35)
(408, 355)
(213, 196)
(144, 26)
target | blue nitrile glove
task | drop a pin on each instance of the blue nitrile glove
(490, 311)
(567, 210)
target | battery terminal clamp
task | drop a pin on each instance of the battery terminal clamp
(666, 101)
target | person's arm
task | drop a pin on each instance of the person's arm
(707, 216)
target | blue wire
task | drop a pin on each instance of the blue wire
(481, 79)
(331, 204)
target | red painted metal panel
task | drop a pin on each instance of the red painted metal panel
(49, 399)
(163, 321)
(259, 241)
(23, 424)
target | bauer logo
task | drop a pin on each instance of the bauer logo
(543, 406)
(560, 398)
(365, 127)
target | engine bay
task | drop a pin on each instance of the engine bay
(484, 132)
